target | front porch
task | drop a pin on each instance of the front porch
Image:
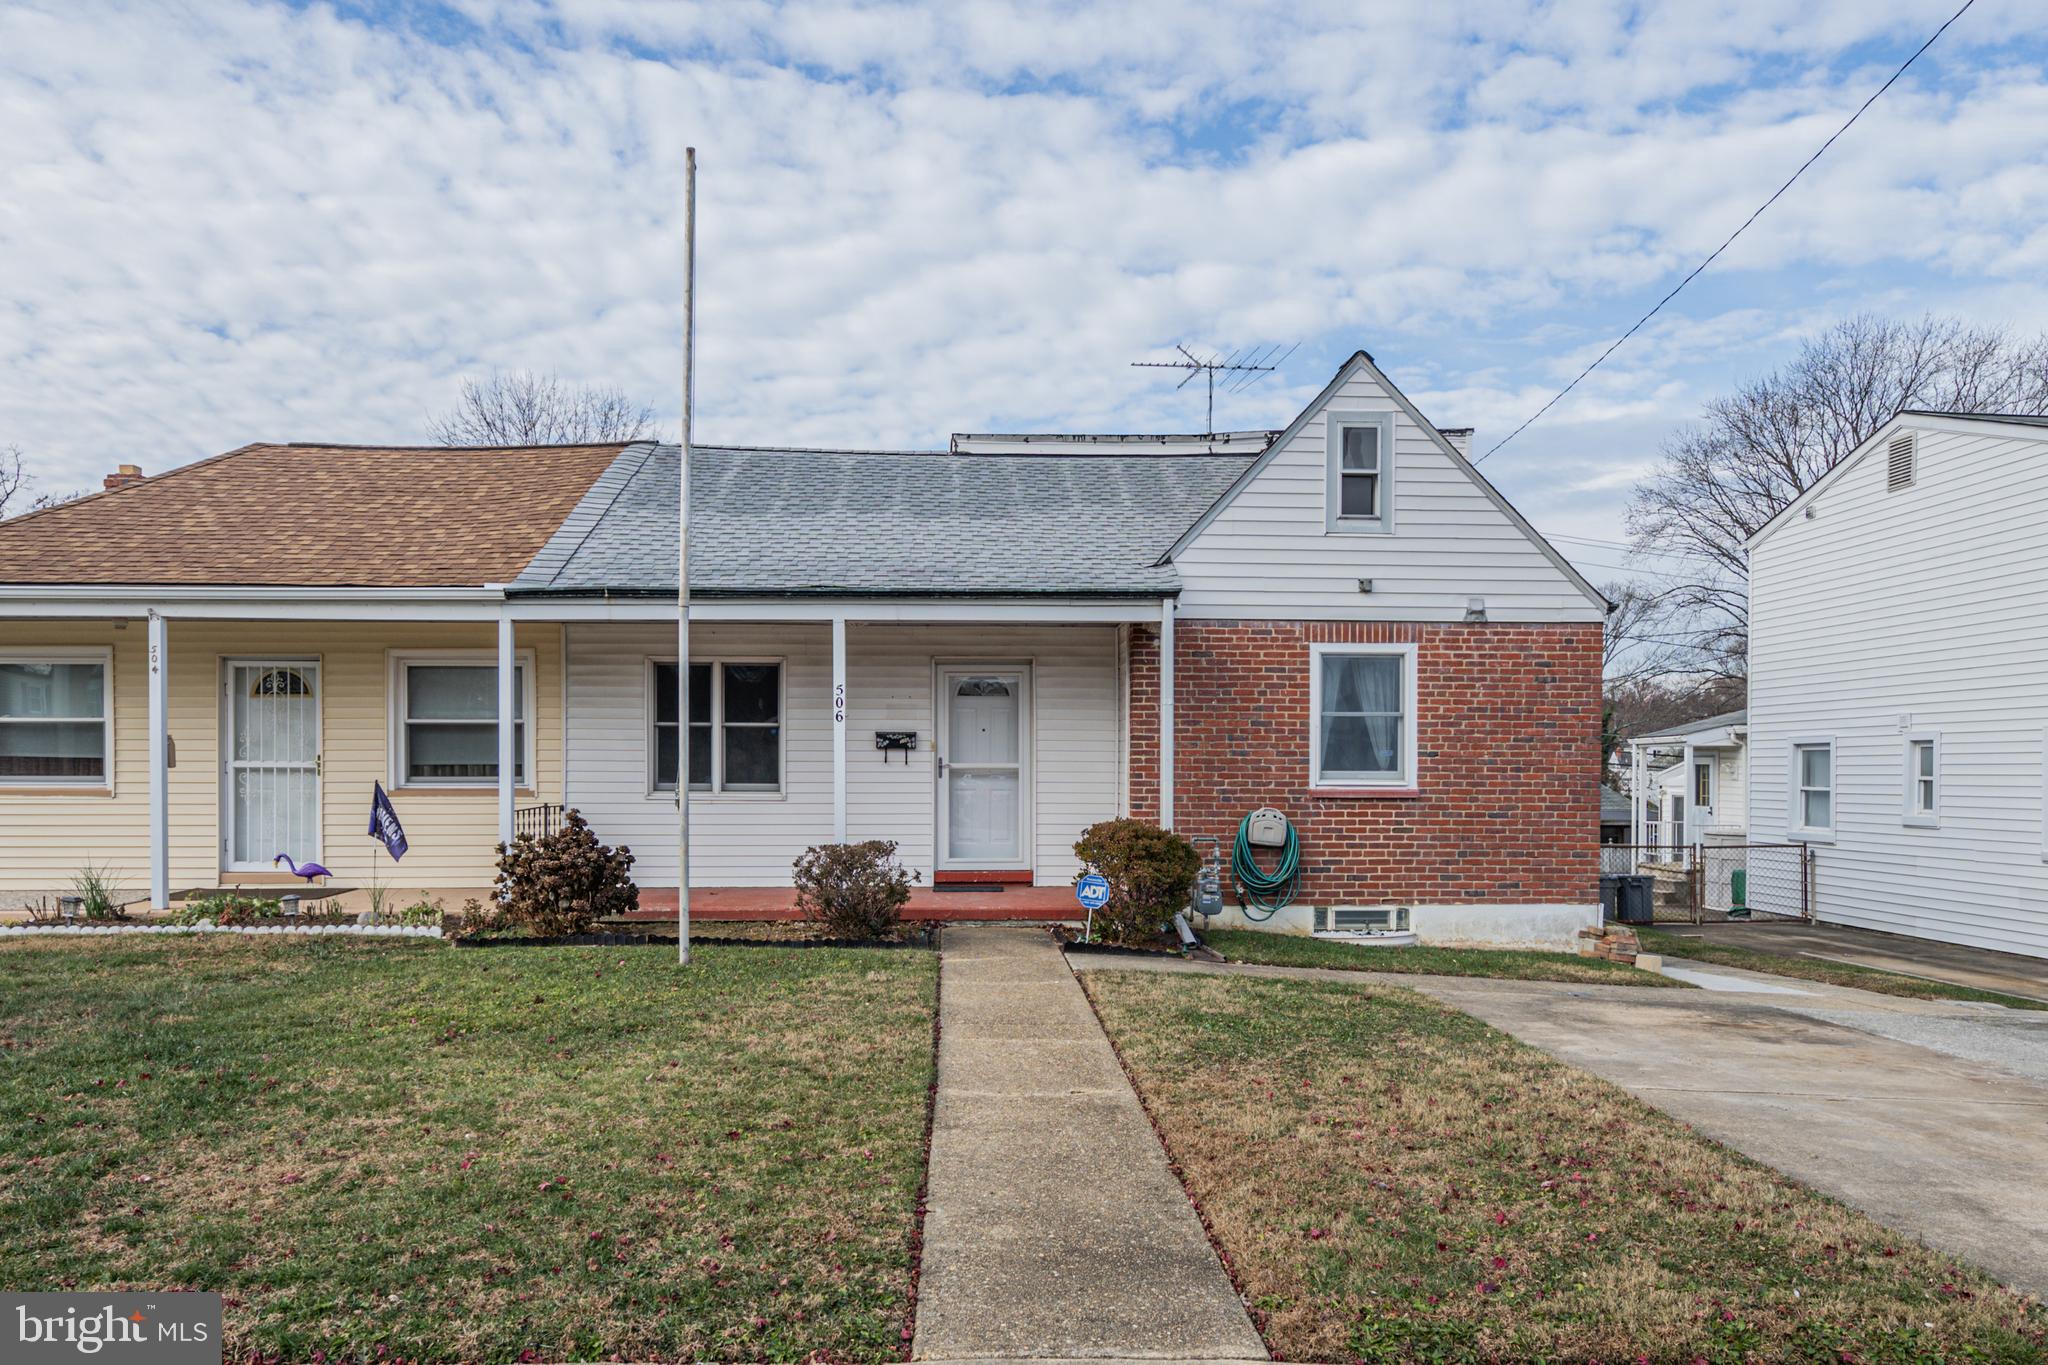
(234, 725)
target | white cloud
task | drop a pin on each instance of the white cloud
(253, 222)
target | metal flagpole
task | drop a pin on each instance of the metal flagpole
(683, 563)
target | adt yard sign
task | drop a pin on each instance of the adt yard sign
(1092, 891)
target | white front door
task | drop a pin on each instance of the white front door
(270, 784)
(984, 768)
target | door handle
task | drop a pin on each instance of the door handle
(317, 767)
(938, 767)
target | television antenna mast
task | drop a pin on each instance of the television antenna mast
(1242, 368)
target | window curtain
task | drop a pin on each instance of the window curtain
(1361, 705)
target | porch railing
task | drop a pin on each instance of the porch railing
(538, 821)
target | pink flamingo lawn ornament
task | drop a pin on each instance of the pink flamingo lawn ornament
(307, 870)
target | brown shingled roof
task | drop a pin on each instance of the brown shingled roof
(313, 516)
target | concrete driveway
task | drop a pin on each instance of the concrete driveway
(1931, 1117)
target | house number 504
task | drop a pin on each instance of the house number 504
(839, 703)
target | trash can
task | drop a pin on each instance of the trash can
(1632, 899)
(1609, 888)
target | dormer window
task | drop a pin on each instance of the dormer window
(1361, 472)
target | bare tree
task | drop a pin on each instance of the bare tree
(1763, 445)
(15, 484)
(521, 408)
(13, 478)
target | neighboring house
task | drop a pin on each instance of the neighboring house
(1898, 646)
(1617, 816)
(1694, 779)
(1343, 620)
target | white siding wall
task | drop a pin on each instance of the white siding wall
(751, 841)
(1927, 609)
(1267, 556)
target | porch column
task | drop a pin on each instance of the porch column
(159, 766)
(1692, 813)
(508, 663)
(1636, 810)
(839, 729)
(1166, 713)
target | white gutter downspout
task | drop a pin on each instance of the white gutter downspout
(1166, 713)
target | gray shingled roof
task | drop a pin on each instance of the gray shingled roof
(1698, 727)
(827, 522)
(2024, 419)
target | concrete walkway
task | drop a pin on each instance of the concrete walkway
(1931, 1116)
(1953, 963)
(1053, 1226)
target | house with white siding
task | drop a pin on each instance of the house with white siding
(1692, 783)
(975, 652)
(1898, 722)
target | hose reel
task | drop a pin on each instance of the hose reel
(1261, 894)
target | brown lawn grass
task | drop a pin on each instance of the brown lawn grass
(472, 1154)
(1299, 950)
(1395, 1180)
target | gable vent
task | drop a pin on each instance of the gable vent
(1899, 462)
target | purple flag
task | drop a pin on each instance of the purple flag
(384, 824)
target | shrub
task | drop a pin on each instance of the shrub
(94, 885)
(853, 890)
(1150, 871)
(228, 909)
(561, 883)
(421, 912)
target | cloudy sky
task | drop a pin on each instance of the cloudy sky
(228, 221)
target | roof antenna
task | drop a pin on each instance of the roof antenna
(1245, 366)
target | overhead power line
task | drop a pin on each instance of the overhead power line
(1694, 274)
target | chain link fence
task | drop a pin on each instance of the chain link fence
(1697, 883)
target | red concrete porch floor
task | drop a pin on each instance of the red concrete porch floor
(779, 902)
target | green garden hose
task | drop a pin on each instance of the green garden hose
(1262, 894)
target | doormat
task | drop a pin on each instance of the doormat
(970, 888)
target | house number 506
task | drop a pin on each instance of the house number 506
(839, 703)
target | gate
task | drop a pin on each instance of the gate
(1696, 883)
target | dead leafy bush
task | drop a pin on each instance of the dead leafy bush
(853, 890)
(559, 883)
(1150, 872)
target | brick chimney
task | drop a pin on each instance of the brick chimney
(125, 475)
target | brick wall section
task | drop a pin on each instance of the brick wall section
(1144, 722)
(1508, 809)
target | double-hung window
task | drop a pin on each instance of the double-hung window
(1360, 492)
(1813, 788)
(447, 720)
(734, 738)
(1923, 779)
(1362, 715)
(55, 718)
(1703, 784)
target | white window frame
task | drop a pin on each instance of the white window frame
(1407, 779)
(1910, 811)
(717, 788)
(102, 656)
(1712, 767)
(1334, 426)
(396, 705)
(1796, 828)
